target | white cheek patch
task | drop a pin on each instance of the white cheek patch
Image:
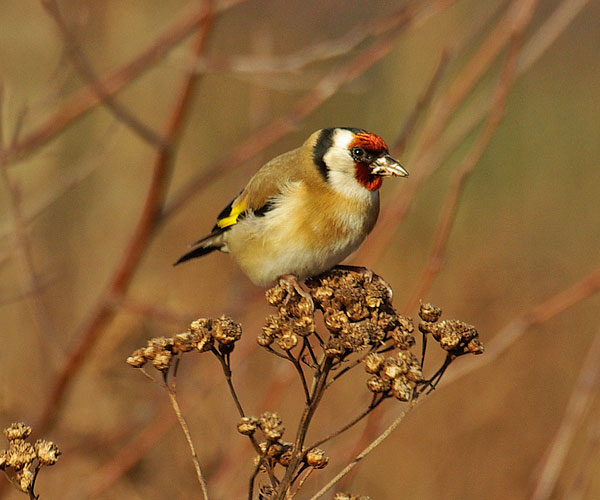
(341, 168)
(338, 157)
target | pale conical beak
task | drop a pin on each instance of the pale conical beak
(386, 166)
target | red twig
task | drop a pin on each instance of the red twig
(518, 15)
(33, 285)
(86, 99)
(584, 391)
(513, 331)
(262, 138)
(103, 311)
(84, 68)
(451, 203)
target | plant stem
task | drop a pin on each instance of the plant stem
(301, 374)
(319, 386)
(374, 404)
(364, 453)
(188, 437)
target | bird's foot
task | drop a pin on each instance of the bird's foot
(293, 284)
(368, 275)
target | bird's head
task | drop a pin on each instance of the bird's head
(347, 156)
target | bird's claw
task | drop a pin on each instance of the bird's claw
(292, 284)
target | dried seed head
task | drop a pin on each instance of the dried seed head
(275, 450)
(273, 325)
(162, 360)
(415, 374)
(402, 334)
(392, 368)
(348, 496)
(264, 340)
(286, 455)
(287, 341)
(402, 389)
(247, 425)
(357, 336)
(378, 384)
(475, 346)
(200, 325)
(429, 313)
(276, 295)
(226, 331)
(322, 293)
(334, 348)
(335, 320)
(17, 430)
(47, 452)
(24, 479)
(304, 326)
(20, 454)
(455, 337)
(183, 342)
(316, 458)
(373, 362)
(357, 311)
(302, 309)
(271, 425)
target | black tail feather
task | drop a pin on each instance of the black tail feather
(196, 252)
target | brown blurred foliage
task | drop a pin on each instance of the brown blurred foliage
(126, 127)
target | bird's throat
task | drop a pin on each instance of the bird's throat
(366, 179)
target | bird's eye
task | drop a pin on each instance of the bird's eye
(358, 153)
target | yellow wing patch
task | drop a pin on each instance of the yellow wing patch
(232, 218)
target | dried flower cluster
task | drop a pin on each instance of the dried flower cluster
(203, 335)
(274, 449)
(348, 496)
(454, 336)
(22, 461)
(359, 316)
(362, 329)
(397, 375)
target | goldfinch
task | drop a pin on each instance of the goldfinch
(306, 210)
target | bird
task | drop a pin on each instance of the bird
(305, 211)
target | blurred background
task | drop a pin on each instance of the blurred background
(127, 126)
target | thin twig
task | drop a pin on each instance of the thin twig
(365, 452)
(188, 437)
(42, 318)
(374, 404)
(84, 68)
(472, 159)
(422, 103)
(515, 329)
(191, 18)
(278, 128)
(301, 375)
(517, 17)
(122, 275)
(584, 392)
(317, 391)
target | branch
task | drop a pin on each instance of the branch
(374, 404)
(267, 135)
(86, 99)
(513, 331)
(516, 19)
(84, 68)
(584, 391)
(473, 157)
(188, 437)
(365, 452)
(103, 311)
